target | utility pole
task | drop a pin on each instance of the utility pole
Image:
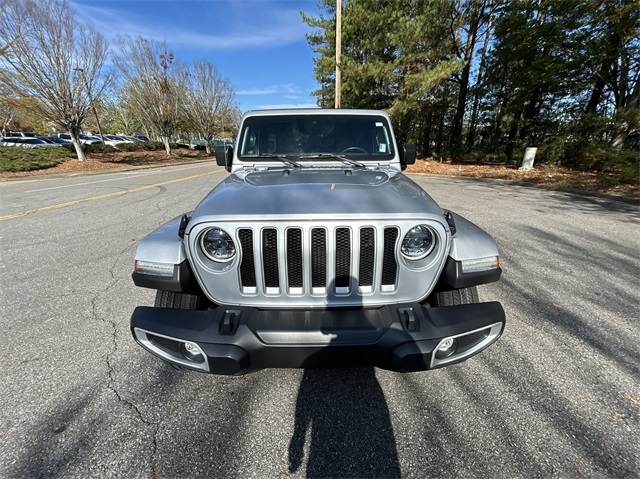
(338, 50)
(95, 113)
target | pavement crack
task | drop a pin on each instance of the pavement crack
(111, 383)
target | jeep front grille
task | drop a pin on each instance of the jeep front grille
(292, 259)
(317, 263)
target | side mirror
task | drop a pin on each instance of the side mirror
(224, 156)
(407, 155)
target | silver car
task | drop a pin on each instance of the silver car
(316, 251)
(26, 142)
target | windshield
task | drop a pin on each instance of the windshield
(314, 137)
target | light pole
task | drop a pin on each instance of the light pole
(93, 107)
(338, 52)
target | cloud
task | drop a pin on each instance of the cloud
(272, 90)
(237, 32)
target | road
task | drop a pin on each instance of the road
(558, 395)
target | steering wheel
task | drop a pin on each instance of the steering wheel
(354, 149)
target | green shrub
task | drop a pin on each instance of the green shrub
(13, 158)
(140, 146)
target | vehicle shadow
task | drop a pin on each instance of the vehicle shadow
(344, 416)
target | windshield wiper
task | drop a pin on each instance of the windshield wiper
(282, 158)
(332, 156)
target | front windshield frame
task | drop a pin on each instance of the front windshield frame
(308, 138)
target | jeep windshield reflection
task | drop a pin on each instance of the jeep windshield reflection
(317, 137)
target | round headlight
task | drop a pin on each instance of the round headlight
(417, 243)
(217, 245)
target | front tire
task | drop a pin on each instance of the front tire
(456, 296)
(169, 299)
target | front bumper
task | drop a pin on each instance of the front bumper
(235, 340)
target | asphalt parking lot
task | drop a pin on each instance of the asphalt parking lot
(557, 396)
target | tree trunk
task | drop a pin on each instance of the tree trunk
(426, 136)
(167, 146)
(440, 136)
(596, 93)
(513, 130)
(476, 100)
(75, 139)
(456, 133)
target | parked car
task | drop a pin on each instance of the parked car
(26, 142)
(142, 138)
(131, 139)
(20, 134)
(84, 139)
(56, 139)
(316, 251)
(113, 140)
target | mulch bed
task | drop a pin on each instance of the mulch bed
(112, 161)
(558, 177)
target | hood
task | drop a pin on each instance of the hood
(316, 192)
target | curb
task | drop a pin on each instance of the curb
(575, 191)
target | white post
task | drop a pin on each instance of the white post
(527, 159)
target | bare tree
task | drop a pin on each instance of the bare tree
(48, 56)
(209, 100)
(153, 83)
(7, 109)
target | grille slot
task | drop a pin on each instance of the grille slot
(318, 258)
(343, 257)
(270, 258)
(367, 257)
(389, 263)
(247, 267)
(294, 257)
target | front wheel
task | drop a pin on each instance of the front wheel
(169, 299)
(456, 296)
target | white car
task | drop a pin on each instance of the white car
(84, 139)
(20, 134)
(114, 140)
(27, 143)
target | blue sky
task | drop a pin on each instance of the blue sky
(259, 45)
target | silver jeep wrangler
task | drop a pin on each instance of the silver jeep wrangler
(316, 251)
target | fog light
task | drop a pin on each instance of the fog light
(446, 348)
(192, 351)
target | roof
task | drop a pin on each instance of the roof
(315, 111)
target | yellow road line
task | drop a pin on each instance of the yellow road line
(101, 197)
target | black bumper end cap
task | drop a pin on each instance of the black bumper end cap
(227, 359)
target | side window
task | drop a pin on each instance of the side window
(383, 142)
(249, 143)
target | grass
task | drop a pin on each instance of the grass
(14, 158)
